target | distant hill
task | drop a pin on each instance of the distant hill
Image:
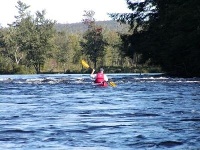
(81, 28)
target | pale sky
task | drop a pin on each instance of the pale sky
(63, 11)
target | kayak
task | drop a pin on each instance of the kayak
(104, 84)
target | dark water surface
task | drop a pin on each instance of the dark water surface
(58, 112)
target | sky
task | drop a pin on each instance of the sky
(63, 11)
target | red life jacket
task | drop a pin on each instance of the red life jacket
(99, 78)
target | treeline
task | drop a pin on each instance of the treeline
(165, 33)
(158, 35)
(75, 28)
(39, 45)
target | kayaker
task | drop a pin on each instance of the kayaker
(100, 77)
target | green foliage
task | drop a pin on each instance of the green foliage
(31, 44)
(93, 44)
(166, 33)
(113, 54)
(30, 37)
(68, 50)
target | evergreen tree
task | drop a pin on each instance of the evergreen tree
(93, 43)
(31, 36)
(166, 33)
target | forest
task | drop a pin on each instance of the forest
(159, 36)
(165, 33)
(39, 45)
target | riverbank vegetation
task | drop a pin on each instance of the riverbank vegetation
(166, 33)
(158, 37)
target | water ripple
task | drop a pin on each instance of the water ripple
(51, 112)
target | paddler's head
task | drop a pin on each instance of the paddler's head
(101, 70)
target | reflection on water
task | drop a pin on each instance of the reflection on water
(54, 112)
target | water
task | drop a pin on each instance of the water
(59, 112)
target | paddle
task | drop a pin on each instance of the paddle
(87, 66)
